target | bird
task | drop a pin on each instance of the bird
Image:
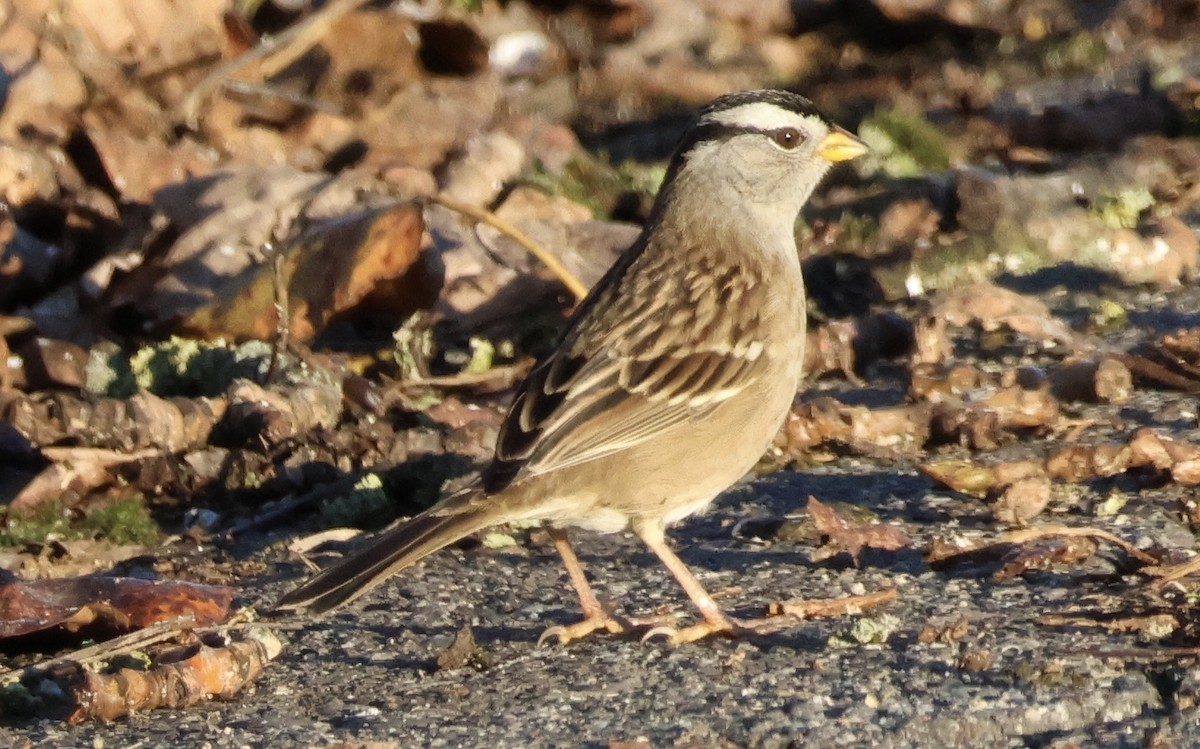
(670, 381)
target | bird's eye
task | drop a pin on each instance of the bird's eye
(787, 137)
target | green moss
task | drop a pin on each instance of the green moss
(903, 144)
(1124, 208)
(1108, 316)
(867, 631)
(483, 355)
(1080, 52)
(973, 259)
(122, 521)
(178, 366)
(48, 518)
(108, 372)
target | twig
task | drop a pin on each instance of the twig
(573, 284)
(283, 316)
(1029, 534)
(275, 54)
(1153, 653)
(808, 609)
(288, 505)
(505, 374)
(153, 634)
(150, 635)
(1178, 572)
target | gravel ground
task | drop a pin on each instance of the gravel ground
(369, 673)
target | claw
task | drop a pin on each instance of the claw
(664, 631)
(728, 627)
(581, 629)
(559, 633)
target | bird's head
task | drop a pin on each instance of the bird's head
(765, 149)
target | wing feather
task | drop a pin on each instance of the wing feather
(636, 359)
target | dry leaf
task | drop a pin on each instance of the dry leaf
(463, 652)
(107, 604)
(371, 258)
(80, 469)
(847, 536)
(1022, 500)
(1043, 553)
(178, 678)
(993, 307)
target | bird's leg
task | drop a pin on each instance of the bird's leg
(594, 615)
(715, 620)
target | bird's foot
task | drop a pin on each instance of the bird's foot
(723, 625)
(581, 629)
(603, 622)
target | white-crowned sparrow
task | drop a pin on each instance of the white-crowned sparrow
(672, 377)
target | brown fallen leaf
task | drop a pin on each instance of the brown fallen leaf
(77, 468)
(945, 381)
(1022, 500)
(847, 536)
(830, 348)
(846, 347)
(123, 425)
(1042, 553)
(106, 604)
(184, 676)
(371, 260)
(942, 553)
(1145, 448)
(51, 363)
(993, 307)
(1082, 462)
(463, 652)
(1172, 361)
(902, 430)
(945, 632)
(272, 415)
(975, 659)
(962, 476)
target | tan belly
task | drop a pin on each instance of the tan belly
(680, 471)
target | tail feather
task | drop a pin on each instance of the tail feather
(400, 547)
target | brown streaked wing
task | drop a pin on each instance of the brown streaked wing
(652, 349)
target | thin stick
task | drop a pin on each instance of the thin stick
(150, 635)
(826, 607)
(573, 284)
(1029, 534)
(283, 317)
(136, 640)
(1178, 572)
(276, 53)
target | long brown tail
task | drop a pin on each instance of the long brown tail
(400, 547)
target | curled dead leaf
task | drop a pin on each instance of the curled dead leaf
(842, 535)
(212, 667)
(107, 604)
